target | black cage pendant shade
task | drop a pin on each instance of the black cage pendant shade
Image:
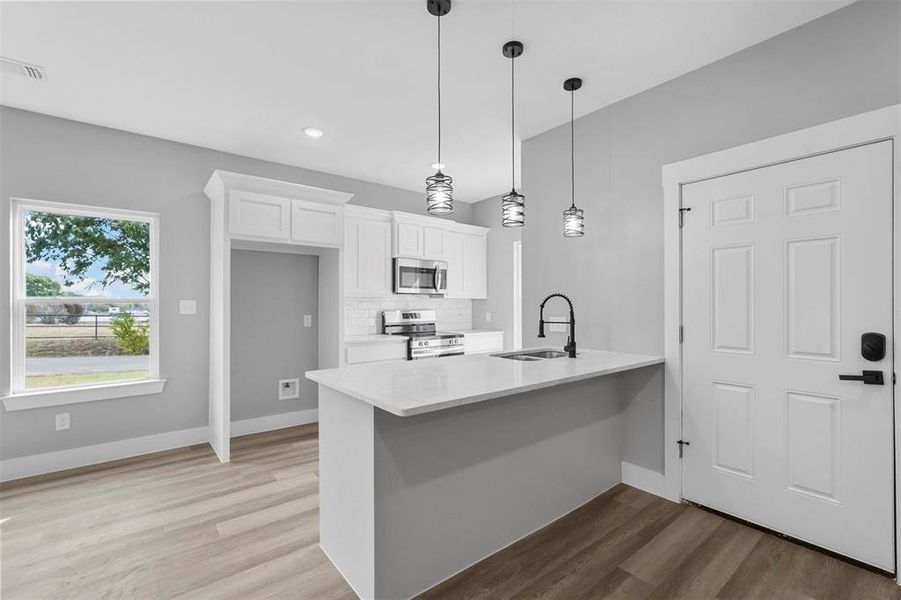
(573, 218)
(513, 205)
(439, 187)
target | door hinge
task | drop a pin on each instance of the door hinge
(682, 444)
(894, 378)
(682, 212)
(681, 333)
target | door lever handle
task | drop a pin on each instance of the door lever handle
(867, 377)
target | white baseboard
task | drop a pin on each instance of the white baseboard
(271, 422)
(644, 479)
(49, 462)
(38, 464)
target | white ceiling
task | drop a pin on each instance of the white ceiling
(248, 77)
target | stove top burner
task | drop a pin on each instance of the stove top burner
(424, 341)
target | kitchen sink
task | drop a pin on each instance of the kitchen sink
(529, 355)
(546, 354)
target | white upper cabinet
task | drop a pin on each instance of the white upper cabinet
(408, 239)
(259, 216)
(367, 250)
(466, 253)
(416, 236)
(268, 210)
(433, 242)
(315, 223)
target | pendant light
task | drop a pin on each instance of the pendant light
(573, 221)
(439, 187)
(513, 205)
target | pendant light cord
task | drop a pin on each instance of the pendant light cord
(439, 91)
(572, 146)
(512, 125)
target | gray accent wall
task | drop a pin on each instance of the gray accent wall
(49, 158)
(840, 65)
(271, 292)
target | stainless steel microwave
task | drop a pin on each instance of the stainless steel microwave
(415, 276)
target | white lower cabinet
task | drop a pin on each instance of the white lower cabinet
(356, 352)
(367, 248)
(481, 342)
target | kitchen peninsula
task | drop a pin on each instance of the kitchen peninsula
(427, 467)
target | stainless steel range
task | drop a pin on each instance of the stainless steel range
(419, 326)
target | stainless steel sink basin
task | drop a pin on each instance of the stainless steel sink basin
(528, 355)
(521, 357)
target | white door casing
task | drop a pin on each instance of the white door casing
(783, 269)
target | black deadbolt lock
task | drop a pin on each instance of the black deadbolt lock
(872, 346)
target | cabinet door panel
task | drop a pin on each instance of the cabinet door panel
(433, 242)
(408, 240)
(475, 267)
(315, 222)
(455, 267)
(367, 265)
(258, 216)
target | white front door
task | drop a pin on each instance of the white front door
(784, 268)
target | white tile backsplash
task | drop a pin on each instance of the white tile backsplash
(362, 316)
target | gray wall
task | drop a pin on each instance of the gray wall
(839, 65)
(271, 293)
(48, 158)
(499, 303)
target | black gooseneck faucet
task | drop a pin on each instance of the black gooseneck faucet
(570, 346)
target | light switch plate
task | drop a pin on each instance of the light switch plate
(308, 320)
(487, 317)
(187, 307)
(61, 421)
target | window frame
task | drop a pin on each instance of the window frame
(21, 397)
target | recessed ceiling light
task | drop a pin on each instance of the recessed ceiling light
(313, 132)
(437, 166)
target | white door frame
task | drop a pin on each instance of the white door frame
(517, 295)
(882, 124)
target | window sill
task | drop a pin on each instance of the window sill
(109, 391)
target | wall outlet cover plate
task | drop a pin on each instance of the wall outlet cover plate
(61, 421)
(288, 389)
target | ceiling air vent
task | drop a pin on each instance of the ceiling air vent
(17, 67)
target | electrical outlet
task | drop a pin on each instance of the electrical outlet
(288, 389)
(187, 307)
(308, 320)
(62, 421)
(557, 327)
(487, 317)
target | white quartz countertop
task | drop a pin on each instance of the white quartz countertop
(422, 386)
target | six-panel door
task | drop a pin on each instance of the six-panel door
(784, 268)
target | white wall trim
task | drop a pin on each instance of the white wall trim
(865, 128)
(272, 422)
(644, 479)
(50, 462)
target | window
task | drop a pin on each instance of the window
(85, 304)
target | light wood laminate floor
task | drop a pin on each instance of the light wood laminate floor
(180, 525)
